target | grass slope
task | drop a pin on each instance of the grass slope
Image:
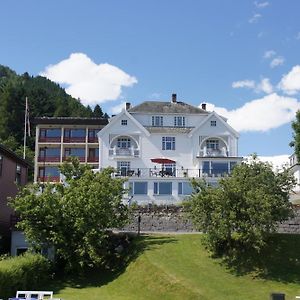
(178, 267)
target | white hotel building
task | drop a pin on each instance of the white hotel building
(157, 146)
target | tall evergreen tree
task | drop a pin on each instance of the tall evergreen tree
(98, 113)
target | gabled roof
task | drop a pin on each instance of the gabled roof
(221, 119)
(7, 152)
(159, 107)
(118, 117)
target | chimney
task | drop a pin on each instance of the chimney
(127, 105)
(203, 106)
(174, 98)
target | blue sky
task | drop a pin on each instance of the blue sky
(241, 57)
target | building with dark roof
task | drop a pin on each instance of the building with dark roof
(13, 172)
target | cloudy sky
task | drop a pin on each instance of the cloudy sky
(240, 57)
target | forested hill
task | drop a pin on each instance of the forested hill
(45, 98)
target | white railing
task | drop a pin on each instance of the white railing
(127, 152)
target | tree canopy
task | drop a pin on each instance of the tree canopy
(244, 209)
(296, 136)
(75, 217)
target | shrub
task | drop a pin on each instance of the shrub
(26, 272)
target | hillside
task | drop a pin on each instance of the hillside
(45, 98)
(178, 267)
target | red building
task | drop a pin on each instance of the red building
(13, 172)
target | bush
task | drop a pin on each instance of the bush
(26, 272)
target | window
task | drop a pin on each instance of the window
(179, 121)
(138, 188)
(124, 122)
(79, 152)
(124, 143)
(184, 188)
(157, 121)
(1, 164)
(168, 143)
(50, 132)
(18, 174)
(212, 144)
(49, 152)
(213, 123)
(162, 188)
(219, 168)
(75, 133)
(49, 172)
(170, 169)
(123, 167)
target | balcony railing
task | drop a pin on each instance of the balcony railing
(169, 173)
(81, 158)
(80, 139)
(49, 159)
(49, 139)
(48, 178)
(93, 159)
(128, 152)
(213, 153)
(92, 139)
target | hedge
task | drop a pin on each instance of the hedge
(25, 272)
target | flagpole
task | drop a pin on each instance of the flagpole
(25, 127)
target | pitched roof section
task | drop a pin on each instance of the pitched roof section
(159, 107)
(9, 153)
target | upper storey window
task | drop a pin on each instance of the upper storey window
(213, 123)
(75, 135)
(50, 135)
(179, 121)
(157, 121)
(168, 143)
(212, 144)
(123, 122)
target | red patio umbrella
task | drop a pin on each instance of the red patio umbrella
(162, 161)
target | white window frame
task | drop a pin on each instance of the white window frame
(179, 121)
(124, 122)
(157, 121)
(212, 144)
(213, 123)
(156, 187)
(168, 143)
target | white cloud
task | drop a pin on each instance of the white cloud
(255, 18)
(269, 54)
(262, 114)
(290, 83)
(261, 4)
(88, 81)
(117, 108)
(250, 84)
(277, 61)
(265, 86)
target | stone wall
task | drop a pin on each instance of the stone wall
(174, 219)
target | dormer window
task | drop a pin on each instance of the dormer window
(124, 122)
(213, 123)
(179, 121)
(157, 121)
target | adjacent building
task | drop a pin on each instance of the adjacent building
(59, 138)
(13, 173)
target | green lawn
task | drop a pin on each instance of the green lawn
(178, 267)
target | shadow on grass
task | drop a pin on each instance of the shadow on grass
(100, 277)
(279, 261)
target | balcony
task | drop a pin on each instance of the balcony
(49, 139)
(93, 159)
(124, 152)
(48, 178)
(49, 159)
(81, 158)
(92, 139)
(213, 152)
(74, 139)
